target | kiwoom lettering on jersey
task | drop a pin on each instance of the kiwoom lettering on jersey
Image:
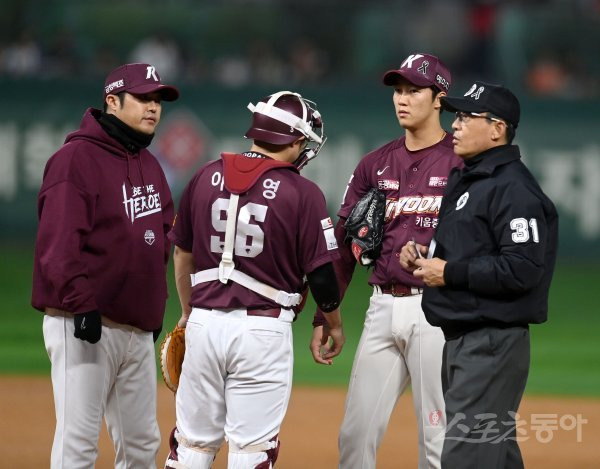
(412, 205)
(138, 205)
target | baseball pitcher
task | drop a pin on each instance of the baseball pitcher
(397, 347)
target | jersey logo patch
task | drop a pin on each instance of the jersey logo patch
(462, 201)
(438, 181)
(381, 171)
(388, 185)
(435, 418)
(149, 237)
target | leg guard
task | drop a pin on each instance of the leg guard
(183, 455)
(172, 461)
(259, 456)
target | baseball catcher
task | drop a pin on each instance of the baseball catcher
(364, 227)
(172, 351)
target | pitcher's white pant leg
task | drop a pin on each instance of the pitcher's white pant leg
(424, 359)
(80, 377)
(131, 404)
(379, 376)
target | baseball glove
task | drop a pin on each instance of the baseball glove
(364, 227)
(172, 351)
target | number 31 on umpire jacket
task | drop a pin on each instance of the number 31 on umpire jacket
(501, 234)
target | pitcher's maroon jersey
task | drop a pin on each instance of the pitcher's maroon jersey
(283, 232)
(414, 183)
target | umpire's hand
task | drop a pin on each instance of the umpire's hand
(431, 271)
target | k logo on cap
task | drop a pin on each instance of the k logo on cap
(138, 78)
(421, 70)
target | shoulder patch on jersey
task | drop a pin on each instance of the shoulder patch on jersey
(242, 172)
(330, 239)
(326, 223)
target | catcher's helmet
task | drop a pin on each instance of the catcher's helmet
(283, 118)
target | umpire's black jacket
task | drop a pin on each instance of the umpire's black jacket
(499, 233)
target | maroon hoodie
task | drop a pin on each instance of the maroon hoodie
(103, 217)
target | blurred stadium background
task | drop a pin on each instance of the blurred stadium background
(55, 54)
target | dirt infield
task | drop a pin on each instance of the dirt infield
(309, 433)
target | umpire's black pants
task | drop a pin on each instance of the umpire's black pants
(484, 373)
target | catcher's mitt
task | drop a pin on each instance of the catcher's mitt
(364, 227)
(172, 351)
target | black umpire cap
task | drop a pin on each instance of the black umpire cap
(486, 97)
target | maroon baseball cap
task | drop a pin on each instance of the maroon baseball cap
(138, 79)
(421, 70)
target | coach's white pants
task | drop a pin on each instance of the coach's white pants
(114, 378)
(235, 383)
(397, 347)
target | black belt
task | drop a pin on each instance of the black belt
(398, 289)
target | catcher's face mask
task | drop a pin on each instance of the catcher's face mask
(284, 117)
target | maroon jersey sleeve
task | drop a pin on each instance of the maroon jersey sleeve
(317, 238)
(358, 185)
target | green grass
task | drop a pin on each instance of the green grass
(565, 357)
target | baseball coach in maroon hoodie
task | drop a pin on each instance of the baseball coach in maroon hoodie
(99, 274)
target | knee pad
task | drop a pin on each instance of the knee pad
(254, 454)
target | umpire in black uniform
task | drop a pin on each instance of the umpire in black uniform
(488, 272)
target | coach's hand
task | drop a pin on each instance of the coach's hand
(88, 326)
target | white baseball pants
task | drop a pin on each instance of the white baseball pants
(114, 378)
(235, 385)
(397, 347)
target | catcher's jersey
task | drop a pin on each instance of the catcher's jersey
(414, 182)
(283, 232)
